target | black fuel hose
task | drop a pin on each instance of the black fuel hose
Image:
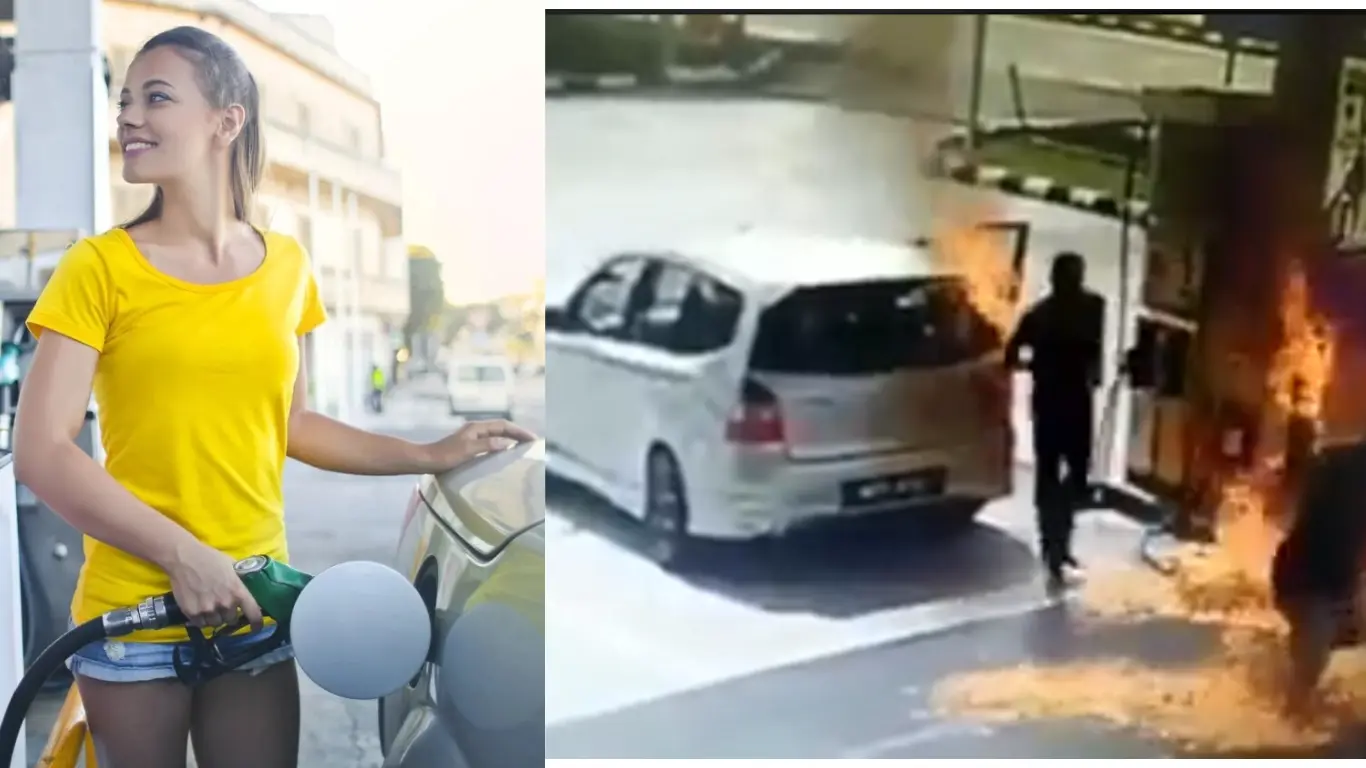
(48, 662)
(152, 613)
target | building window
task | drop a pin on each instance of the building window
(304, 122)
(353, 138)
(305, 235)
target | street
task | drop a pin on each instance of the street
(336, 518)
(826, 647)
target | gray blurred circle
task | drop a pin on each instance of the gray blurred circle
(360, 630)
(493, 670)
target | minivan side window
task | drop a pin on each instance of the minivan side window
(601, 304)
(691, 313)
(654, 322)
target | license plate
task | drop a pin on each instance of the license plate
(903, 486)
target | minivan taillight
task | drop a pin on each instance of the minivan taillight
(758, 418)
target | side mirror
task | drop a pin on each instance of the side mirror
(557, 319)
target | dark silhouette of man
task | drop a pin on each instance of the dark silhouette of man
(1064, 333)
(1316, 572)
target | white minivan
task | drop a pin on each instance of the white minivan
(742, 387)
(480, 386)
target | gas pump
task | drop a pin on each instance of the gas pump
(50, 550)
(1207, 391)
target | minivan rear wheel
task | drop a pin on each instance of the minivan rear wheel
(666, 512)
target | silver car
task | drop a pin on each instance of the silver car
(760, 382)
(473, 543)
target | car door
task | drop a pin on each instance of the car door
(683, 338)
(581, 381)
(652, 382)
(993, 385)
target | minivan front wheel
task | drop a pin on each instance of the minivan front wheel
(666, 512)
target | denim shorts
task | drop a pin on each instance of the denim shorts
(118, 661)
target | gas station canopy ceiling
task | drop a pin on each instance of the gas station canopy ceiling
(1258, 26)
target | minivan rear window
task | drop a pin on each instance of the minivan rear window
(490, 373)
(872, 327)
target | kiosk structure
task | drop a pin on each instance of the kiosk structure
(1250, 332)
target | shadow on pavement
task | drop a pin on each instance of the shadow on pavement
(846, 569)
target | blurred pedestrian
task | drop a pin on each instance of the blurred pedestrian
(377, 386)
(1064, 334)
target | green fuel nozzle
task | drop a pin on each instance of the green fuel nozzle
(274, 585)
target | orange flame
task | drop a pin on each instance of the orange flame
(1303, 366)
(963, 244)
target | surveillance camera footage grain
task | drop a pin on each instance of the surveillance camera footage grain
(943, 385)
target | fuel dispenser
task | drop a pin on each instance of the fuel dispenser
(50, 550)
(1208, 397)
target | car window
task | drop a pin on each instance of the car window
(709, 317)
(602, 304)
(667, 286)
(690, 312)
(874, 327)
(480, 373)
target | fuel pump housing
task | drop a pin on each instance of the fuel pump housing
(1251, 323)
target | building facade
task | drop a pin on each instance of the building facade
(327, 182)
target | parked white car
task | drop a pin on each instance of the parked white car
(480, 387)
(742, 387)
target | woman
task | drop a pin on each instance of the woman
(188, 324)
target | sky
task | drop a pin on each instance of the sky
(462, 125)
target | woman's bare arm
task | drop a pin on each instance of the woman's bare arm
(52, 406)
(328, 444)
(325, 443)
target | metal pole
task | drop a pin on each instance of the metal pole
(60, 163)
(1017, 96)
(1119, 429)
(978, 64)
(667, 29)
(1125, 222)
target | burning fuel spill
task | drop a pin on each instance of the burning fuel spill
(1231, 701)
(1228, 702)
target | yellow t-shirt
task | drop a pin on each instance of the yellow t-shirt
(194, 385)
